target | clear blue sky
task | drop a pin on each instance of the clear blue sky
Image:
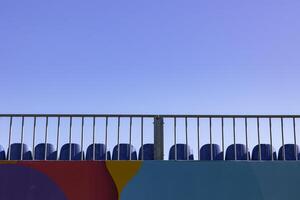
(159, 57)
(202, 57)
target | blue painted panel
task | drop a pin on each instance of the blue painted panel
(215, 180)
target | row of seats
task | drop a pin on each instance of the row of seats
(237, 152)
(73, 151)
(146, 152)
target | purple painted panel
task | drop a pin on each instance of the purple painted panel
(19, 182)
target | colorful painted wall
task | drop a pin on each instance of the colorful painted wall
(149, 180)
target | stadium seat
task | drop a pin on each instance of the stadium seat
(2, 153)
(75, 152)
(125, 151)
(15, 152)
(146, 152)
(183, 152)
(39, 152)
(289, 150)
(220, 156)
(205, 152)
(99, 152)
(241, 153)
(266, 152)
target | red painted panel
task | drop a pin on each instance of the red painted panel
(79, 180)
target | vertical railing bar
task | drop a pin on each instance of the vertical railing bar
(130, 129)
(246, 134)
(70, 138)
(82, 132)
(235, 153)
(186, 138)
(223, 144)
(106, 138)
(295, 139)
(175, 136)
(9, 136)
(258, 138)
(142, 137)
(210, 139)
(271, 140)
(94, 145)
(22, 137)
(33, 138)
(198, 138)
(282, 135)
(46, 138)
(119, 138)
(57, 136)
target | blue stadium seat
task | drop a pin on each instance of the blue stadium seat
(146, 152)
(15, 152)
(183, 152)
(205, 152)
(39, 152)
(2, 153)
(266, 152)
(220, 156)
(53, 156)
(124, 152)
(289, 150)
(241, 153)
(99, 152)
(75, 152)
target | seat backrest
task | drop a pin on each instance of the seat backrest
(146, 152)
(2, 153)
(205, 151)
(125, 151)
(75, 152)
(288, 151)
(184, 152)
(15, 152)
(39, 152)
(220, 156)
(100, 152)
(266, 151)
(240, 150)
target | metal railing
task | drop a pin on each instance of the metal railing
(190, 130)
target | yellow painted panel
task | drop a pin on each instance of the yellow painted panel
(122, 172)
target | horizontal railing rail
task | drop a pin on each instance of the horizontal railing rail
(151, 115)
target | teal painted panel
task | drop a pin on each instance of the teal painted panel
(215, 180)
